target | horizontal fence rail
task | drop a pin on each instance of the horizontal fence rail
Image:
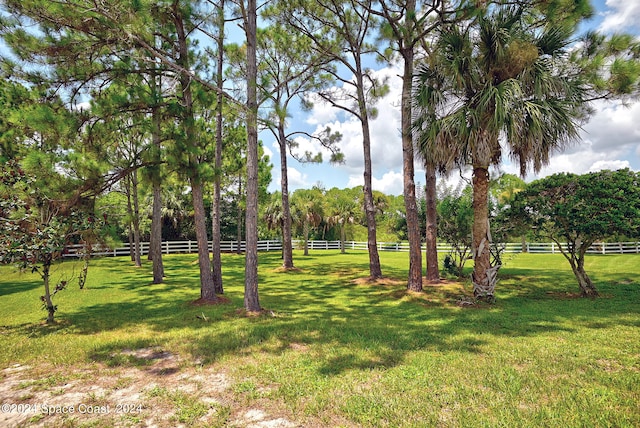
(182, 247)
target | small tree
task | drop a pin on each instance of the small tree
(455, 219)
(307, 212)
(574, 211)
(35, 228)
(341, 211)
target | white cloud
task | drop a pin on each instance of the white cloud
(614, 126)
(321, 112)
(296, 179)
(267, 151)
(609, 164)
(386, 146)
(622, 15)
(391, 183)
(610, 140)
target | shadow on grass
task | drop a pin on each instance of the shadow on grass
(359, 327)
(7, 288)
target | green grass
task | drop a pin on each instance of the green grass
(333, 352)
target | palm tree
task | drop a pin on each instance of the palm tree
(307, 212)
(342, 210)
(501, 83)
(274, 217)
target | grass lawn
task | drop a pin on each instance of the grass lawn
(329, 350)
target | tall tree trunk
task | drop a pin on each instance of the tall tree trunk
(375, 270)
(251, 298)
(155, 246)
(287, 245)
(414, 282)
(483, 284)
(133, 246)
(343, 237)
(433, 274)
(239, 218)
(207, 290)
(216, 235)
(136, 219)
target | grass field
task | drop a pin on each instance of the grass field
(329, 351)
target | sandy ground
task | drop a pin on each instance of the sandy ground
(163, 392)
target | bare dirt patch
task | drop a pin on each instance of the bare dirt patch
(160, 389)
(220, 300)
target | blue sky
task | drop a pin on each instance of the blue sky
(610, 140)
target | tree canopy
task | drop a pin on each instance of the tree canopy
(574, 211)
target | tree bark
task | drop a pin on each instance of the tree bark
(51, 310)
(287, 246)
(239, 218)
(433, 273)
(375, 270)
(305, 228)
(251, 298)
(136, 219)
(482, 283)
(216, 235)
(586, 286)
(414, 282)
(155, 246)
(207, 289)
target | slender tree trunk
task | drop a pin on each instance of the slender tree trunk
(132, 245)
(130, 212)
(287, 246)
(414, 282)
(239, 218)
(207, 290)
(305, 228)
(433, 274)
(216, 235)
(86, 257)
(251, 298)
(343, 237)
(155, 246)
(375, 270)
(483, 286)
(51, 310)
(216, 265)
(136, 219)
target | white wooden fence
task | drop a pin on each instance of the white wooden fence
(176, 247)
